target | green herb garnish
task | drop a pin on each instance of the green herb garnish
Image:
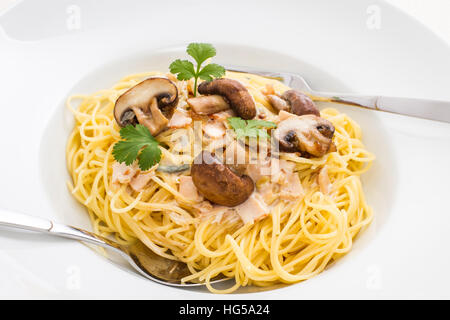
(185, 70)
(250, 128)
(138, 144)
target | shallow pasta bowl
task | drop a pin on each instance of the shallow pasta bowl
(332, 48)
(62, 123)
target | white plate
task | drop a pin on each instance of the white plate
(404, 253)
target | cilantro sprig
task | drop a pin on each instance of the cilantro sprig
(250, 128)
(185, 70)
(137, 143)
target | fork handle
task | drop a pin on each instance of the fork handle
(25, 222)
(420, 108)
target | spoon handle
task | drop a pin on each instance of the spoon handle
(26, 222)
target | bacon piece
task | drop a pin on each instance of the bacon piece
(214, 129)
(139, 182)
(253, 209)
(268, 89)
(123, 173)
(256, 171)
(188, 189)
(324, 180)
(179, 119)
(292, 188)
(283, 115)
(223, 115)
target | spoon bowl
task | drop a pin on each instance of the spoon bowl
(143, 260)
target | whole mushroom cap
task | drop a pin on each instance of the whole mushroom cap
(218, 183)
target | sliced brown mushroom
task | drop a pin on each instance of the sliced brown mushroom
(149, 103)
(278, 103)
(300, 103)
(234, 93)
(306, 134)
(295, 102)
(218, 183)
(208, 104)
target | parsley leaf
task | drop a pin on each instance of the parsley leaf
(211, 70)
(138, 144)
(201, 51)
(237, 123)
(185, 70)
(149, 156)
(250, 128)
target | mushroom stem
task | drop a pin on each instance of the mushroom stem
(155, 121)
(208, 104)
(278, 103)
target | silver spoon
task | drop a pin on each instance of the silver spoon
(140, 257)
(420, 108)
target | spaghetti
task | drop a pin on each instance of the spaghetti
(296, 241)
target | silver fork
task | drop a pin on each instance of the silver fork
(421, 108)
(139, 256)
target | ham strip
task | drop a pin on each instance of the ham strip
(179, 119)
(188, 189)
(139, 182)
(214, 129)
(253, 209)
(283, 115)
(324, 180)
(292, 188)
(123, 173)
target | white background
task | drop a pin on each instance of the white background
(432, 13)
